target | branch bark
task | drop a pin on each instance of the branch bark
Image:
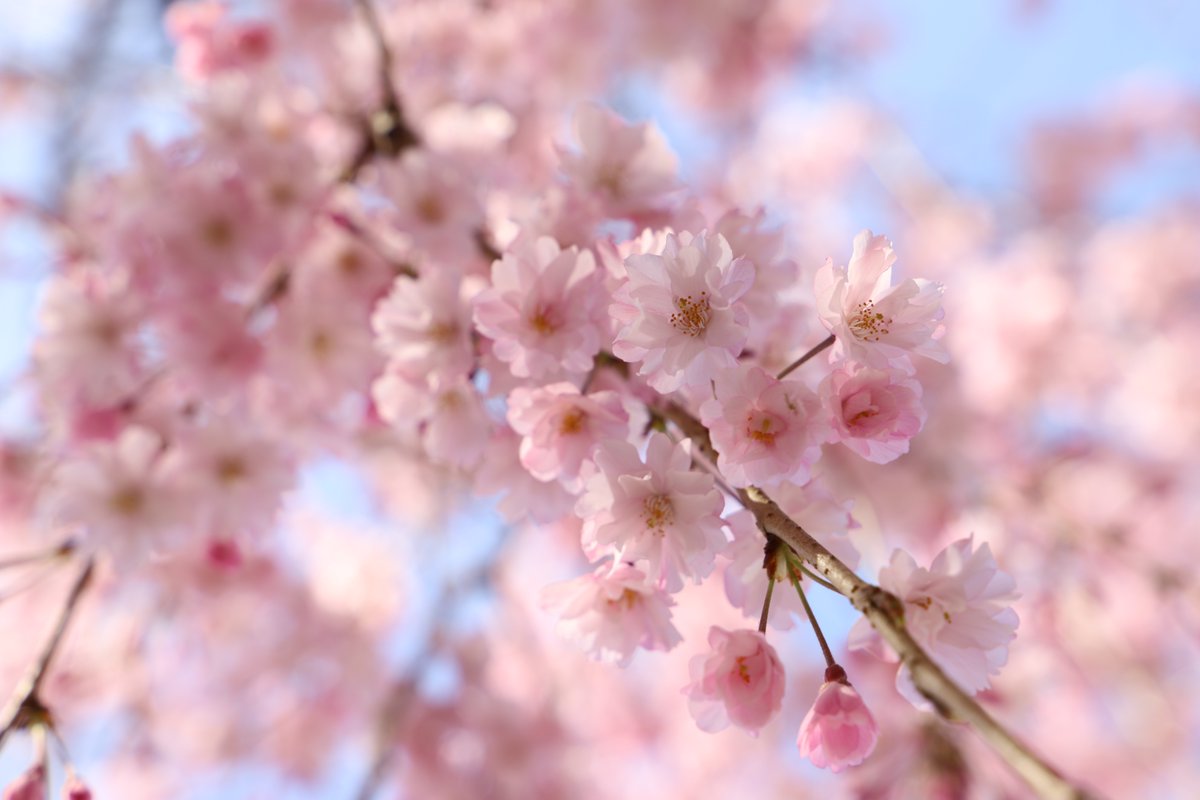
(26, 707)
(885, 612)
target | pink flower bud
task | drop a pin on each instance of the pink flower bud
(838, 731)
(75, 789)
(741, 682)
(31, 785)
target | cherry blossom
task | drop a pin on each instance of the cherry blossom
(31, 785)
(546, 310)
(767, 431)
(613, 611)
(561, 427)
(740, 682)
(659, 513)
(681, 318)
(423, 326)
(839, 730)
(124, 493)
(958, 609)
(874, 412)
(875, 322)
(628, 166)
(76, 789)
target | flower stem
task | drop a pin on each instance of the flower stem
(829, 662)
(762, 620)
(828, 342)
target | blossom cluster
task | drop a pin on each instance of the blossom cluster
(519, 322)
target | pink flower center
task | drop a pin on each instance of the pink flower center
(858, 408)
(693, 315)
(742, 670)
(628, 600)
(127, 501)
(764, 427)
(217, 233)
(231, 469)
(572, 421)
(658, 512)
(543, 321)
(868, 324)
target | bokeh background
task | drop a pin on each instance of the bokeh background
(1040, 158)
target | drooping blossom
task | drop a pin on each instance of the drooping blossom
(839, 730)
(423, 326)
(875, 322)
(435, 207)
(628, 167)
(123, 493)
(740, 681)
(209, 42)
(546, 310)
(611, 612)
(76, 789)
(660, 514)
(560, 427)
(958, 610)
(235, 475)
(501, 472)
(29, 785)
(874, 412)
(680, 312)
(89, 345)
(766, 431)
(447, 413)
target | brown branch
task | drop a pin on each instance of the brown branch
(25, 707)
(799, 362)
(885, 612)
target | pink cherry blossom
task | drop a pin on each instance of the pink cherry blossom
(874, 412)
(659, 513)
(209, 42)
(839, 730)
(546, 310)
(611, 612)
(560, 427)
(423, 326)
(681, 318)
(236, 475)
(875, 322)
(958, 610)
(629, 167)
(89, 345)
(446, 413)
(30, 785)
(741, 681)
(524, 495)
(123, 493)
(766, 431)
(75, 789)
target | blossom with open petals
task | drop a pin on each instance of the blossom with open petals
(875, 322)
(741, 681)
(680, 312)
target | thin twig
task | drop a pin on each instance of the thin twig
(766, 611)
(812, 618)
(25, 706)
(885, 612)
(64, 548)
(799, 362)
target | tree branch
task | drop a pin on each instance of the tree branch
(799, 362)
(25, 707)
(885, 612)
